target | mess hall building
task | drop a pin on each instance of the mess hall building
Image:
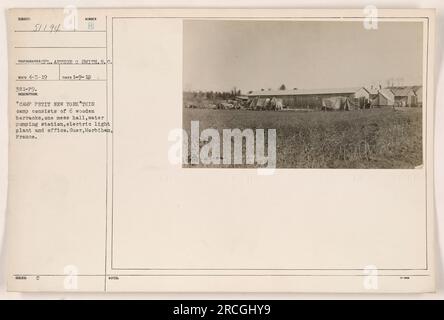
(302, 98)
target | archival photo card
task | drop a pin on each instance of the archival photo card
(194, 150)
(303, 94)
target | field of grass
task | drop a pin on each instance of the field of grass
(374, 138)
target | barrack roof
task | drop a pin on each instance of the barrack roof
(304, 92)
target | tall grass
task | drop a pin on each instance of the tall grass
(375, 138)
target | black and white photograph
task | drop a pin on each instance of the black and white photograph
(208, 151)
(323, 94)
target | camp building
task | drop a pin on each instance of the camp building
(302, 98)
(336, 99)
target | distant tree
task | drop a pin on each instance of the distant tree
(262, 89)
(282, 87)
(235, 92)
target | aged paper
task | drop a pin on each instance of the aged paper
(221, 150)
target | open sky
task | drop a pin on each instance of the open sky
(218, 55)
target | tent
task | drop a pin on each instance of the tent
(253, 103)
(276, 103)
(338, 103)
(260, 104)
